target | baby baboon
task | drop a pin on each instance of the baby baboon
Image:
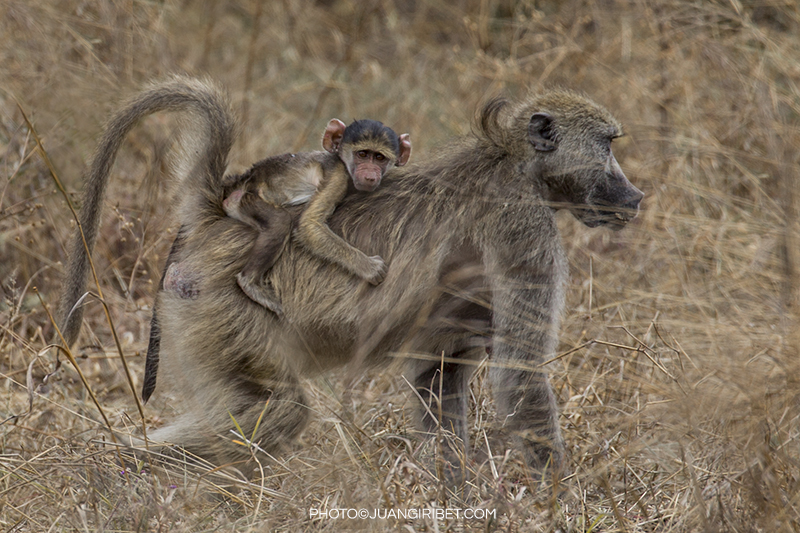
(360, 153)
(476, 261)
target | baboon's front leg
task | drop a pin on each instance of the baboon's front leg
(525, 323)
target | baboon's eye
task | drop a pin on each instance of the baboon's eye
(379, 157)
(605, 145)
(362, 153)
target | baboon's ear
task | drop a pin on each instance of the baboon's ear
(405, 149)
(540, 132)
(332, 137)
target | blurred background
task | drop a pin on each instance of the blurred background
(679, 376)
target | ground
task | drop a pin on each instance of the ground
(678, 363)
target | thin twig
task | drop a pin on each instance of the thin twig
(113, 329)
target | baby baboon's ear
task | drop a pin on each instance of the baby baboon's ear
(332, 137)
(540, 132)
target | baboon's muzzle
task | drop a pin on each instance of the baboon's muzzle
(618, 217)
(615, 212)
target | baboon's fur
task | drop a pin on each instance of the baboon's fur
(477, 264)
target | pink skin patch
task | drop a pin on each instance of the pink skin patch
(233, 200)
(180, 280)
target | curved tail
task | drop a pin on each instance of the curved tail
(207, 104)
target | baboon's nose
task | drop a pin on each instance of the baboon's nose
(636, 198)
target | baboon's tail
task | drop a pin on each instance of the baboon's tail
(200, 98)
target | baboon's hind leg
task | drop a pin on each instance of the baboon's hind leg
(444, 389)
(270, 413)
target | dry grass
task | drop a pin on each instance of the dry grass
(680, 402)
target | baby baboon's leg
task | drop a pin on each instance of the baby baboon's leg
(275, 229)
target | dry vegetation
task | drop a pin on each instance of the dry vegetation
(679, 387)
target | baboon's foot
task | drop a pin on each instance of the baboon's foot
(543, 454)
(263, 295)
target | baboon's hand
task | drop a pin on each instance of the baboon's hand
(378, 270)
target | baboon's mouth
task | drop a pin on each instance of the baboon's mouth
(604, 213)
(620, 216)
(624, 217)
(620, 220)
(615, 219)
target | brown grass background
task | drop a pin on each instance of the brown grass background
(681, 415)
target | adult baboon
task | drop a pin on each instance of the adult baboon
(476, 262)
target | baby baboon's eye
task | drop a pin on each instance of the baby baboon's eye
(380, 157)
